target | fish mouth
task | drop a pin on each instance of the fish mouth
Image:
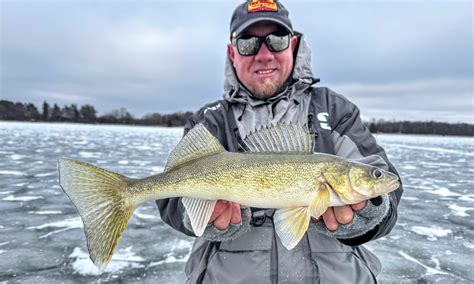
(394, 184)
(393, 181)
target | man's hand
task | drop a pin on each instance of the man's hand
(225, 213)
(341, 215)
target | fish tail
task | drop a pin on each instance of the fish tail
(100, 197)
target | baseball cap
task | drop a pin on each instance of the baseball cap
(253, 11)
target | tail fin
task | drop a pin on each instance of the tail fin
(99, 196)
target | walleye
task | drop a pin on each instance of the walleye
(279, 170)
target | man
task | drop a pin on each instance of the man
(269, 81)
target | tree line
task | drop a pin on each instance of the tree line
(421, 127)
(87, 114)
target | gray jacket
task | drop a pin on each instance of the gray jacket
(251, 252)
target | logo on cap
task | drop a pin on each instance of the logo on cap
(262, 5)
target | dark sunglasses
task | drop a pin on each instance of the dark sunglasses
(250, 45)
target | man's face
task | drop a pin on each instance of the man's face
(265, 73)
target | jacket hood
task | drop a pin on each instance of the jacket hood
(302, 78)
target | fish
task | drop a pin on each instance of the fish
(278, 169)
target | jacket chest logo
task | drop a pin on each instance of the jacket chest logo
(323, 118)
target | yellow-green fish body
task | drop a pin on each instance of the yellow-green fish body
(255, 180)
(280, 171)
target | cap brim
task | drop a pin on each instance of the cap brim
(261, 19)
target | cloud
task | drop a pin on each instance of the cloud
(434, 86)
(387, 56)
(436, 99)
(389, 40)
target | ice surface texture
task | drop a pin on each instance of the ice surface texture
(41, 235)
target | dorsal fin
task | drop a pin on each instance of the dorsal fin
(281, 138)
(197, 143)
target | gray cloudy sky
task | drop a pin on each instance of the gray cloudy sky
(395, 59)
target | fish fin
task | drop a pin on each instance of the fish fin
(281, 138)
(291, 224)
(320, 203)
(197, 143)
(199, 212)
(100, 197)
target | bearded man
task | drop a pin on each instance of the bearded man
(269, 81)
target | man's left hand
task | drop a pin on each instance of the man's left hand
(341, 215)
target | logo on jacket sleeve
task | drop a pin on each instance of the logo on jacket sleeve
(323, 118)
(212, 108)
(262, 5)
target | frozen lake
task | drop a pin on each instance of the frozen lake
(41, 236)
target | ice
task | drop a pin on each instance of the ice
(47, 174)
(68, 224)
(435, 149)
(468, 198)
(84, 154)
(71, 222)
(12, 173)
(410, 198)
(443, 191)
(169, 258)
(468, 245)
(22, 198)
(433, 232)
(17, 157)
(144, 147)
(157, 169)
(409, 167)
(429, 270)
(460, 211)
(50, 212)
(182, 244)
(144, 216)
(122, 259)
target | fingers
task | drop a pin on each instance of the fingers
(344, 214)
(222, 221)
(219, 208)
(225, 213)
(359, 206)
(338, 215)
(330, 219)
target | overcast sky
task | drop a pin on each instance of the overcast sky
(395, 59)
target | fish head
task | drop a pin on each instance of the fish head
(371, 182)
(335, 177)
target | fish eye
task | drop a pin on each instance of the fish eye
(376, 173)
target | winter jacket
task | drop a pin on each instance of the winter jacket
(251, 252)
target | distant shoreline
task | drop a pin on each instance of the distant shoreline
(471, 126)
(86, 123)
(18, 111)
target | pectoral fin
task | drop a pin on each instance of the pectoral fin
(199, 212)
(320, 203)
(291, 224)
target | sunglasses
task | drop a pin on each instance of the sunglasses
(250, 45)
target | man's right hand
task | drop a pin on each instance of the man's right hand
(225, 213)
